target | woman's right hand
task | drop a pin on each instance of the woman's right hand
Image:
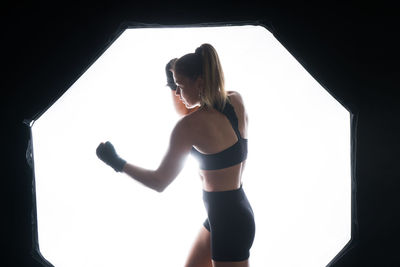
(170, 75)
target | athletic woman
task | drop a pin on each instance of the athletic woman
(216, 134)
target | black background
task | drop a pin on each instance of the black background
(350, 48)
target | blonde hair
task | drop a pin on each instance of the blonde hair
(205, 63)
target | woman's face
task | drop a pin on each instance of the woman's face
(188, 90)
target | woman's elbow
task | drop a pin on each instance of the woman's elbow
(159, 189)
(157, 186)
(162, 184)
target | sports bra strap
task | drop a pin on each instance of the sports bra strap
(229, 112)
(230, 156)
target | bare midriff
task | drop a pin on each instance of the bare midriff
(222, 179)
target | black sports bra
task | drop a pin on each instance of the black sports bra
(230, 156)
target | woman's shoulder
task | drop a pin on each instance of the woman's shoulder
(191, 126)
(184, 127)
(232, 93)
(190, 120)
(235, 98)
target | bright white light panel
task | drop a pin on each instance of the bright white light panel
(297, 176)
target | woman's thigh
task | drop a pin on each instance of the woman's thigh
(200, 253)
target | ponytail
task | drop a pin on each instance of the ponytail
(205, 63)
(214, 94)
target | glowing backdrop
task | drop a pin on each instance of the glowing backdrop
(297, 176)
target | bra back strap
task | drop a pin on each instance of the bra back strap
(229, 112)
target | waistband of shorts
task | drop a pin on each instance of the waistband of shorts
(229, 195)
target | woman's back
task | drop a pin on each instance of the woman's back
(213, 133)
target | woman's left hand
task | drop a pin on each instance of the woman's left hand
(106, 152)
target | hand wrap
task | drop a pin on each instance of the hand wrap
(106, 152)
(170, 75)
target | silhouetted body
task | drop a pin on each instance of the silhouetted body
(214, 129)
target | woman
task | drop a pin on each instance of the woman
(216, 135)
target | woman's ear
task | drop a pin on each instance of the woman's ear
(200, 83)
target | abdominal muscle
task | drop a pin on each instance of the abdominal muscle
(223, 179)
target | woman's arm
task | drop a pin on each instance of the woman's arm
(179, 147)
(144, 176)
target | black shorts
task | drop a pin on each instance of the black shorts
(231, 224)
